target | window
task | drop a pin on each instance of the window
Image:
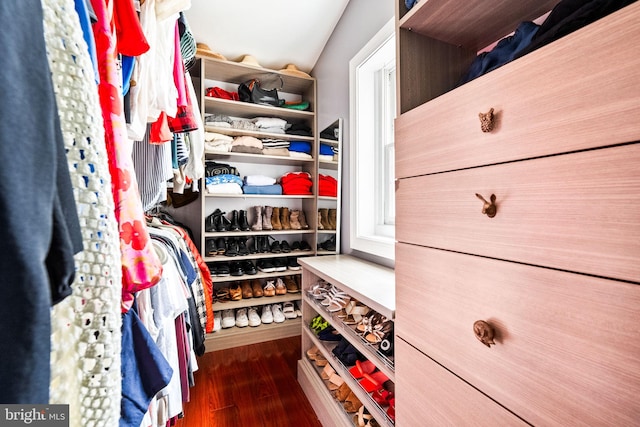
(372, 82)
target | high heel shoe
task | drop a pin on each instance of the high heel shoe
(379, 330)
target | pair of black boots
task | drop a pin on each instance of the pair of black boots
(231, 246)
(329, 244)
(234, 246)
(217, 221)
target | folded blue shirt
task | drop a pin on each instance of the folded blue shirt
(326, 150)
(223, 179)
(300, 146)
(262, 189)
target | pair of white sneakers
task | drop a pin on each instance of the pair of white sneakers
(240, 318)
(248, 316)
(272, 313)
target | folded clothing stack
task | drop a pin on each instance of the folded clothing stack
(243, 124)
(246, 144)
(270, 124)
(218, 142)
(327, 186)
(300, 149)
(221, 178)
(218, 120)
(224, 184)
(212, 168)
(299, 129)
(296, 183)
(275, 147)
(326, 152)
(260, 184)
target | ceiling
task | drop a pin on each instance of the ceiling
(275, 32)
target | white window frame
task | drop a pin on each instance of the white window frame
(371, 228)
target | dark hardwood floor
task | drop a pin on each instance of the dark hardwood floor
(249, 386)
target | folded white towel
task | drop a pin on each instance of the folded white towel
(299, 155)
(259, 180)
(226, 188)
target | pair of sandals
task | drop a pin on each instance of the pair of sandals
(316, 356)
(364, 419)
(340, 390)
(347, 397)
(335, 300)
(374, 328)
(354, 312)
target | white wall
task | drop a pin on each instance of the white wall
(361, 20)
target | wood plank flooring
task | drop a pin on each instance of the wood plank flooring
(249, 386)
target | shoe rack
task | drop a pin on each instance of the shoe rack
(366, 285)
(329, 205)
(207, 73)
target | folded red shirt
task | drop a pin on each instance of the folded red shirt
(327, 186)
(218, 92)
(296, 183)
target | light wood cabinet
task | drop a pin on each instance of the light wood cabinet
(371, 285)
(554, 274)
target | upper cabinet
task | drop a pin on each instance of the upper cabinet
(439, 39)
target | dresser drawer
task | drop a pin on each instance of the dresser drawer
(578, 212)
(581, 91)
(429, 395)
(567, 346)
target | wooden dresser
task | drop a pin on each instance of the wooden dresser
(554, 275)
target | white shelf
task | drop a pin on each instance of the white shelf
(247, 109)
(330, 198)
(327, 231)
(259, 275)
(257, 134)
(323, 252)
(256, 256)
(212, 234)
(235, 337)
(370, 283)
(260, 196)
(230, 156)
(322, 164)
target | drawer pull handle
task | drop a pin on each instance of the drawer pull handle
(484, 332)
(488, 208)
(486, 121)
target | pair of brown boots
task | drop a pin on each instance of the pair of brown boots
(327, 219)
(278, 218)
